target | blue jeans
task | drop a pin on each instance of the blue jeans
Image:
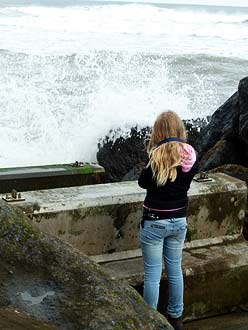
(165, 238)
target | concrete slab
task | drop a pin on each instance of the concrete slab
(50, 176)
(104, 219)
(195, 262)
(215, 278)
(53, 200)
(233, 321)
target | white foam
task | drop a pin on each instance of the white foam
(53, 117)
(37, 29)
(68, 75)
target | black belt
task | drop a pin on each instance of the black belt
(151, 215)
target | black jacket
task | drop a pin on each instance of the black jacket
(172, 195)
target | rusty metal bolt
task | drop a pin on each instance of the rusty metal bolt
(203, 175)
(14, 194)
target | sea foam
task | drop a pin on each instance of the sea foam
(70, 74)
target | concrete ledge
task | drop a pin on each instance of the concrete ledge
(130, 254)
(50, 176)
(215, 278)
(234, 321)
(100, 219)
(195, 261)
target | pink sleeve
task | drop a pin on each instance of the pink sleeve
(188, 157)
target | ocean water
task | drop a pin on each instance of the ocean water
(70, 71)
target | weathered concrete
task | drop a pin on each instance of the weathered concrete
(105, 218)
(50, 176)
(48, 279)
(214, 276)
(233, 321)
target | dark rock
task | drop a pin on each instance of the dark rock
(243, 103)
(245, 229)
(123, 158)
(224, 123)
(194, 127)
(225, 139)
(12, 319)
(120, 156)
(237, 171)
(224, 151)
(134, 173)
(69, 289)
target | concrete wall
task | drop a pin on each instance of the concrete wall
(105, 218)
(50, 176)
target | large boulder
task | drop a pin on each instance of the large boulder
(12, 319)
(52, 282)
(223, 124)
(225, 139)
(223, 152)
(243, 104)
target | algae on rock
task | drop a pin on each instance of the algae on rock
(83, 295)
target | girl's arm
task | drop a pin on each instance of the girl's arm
(145, 178)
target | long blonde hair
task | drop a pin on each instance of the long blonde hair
(165, 158)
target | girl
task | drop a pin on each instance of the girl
(167, 177)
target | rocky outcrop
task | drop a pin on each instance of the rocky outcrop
(123, 158)
(243, 105)
(12, 319)
(119, 156)
(52, 282)
(223, 152)
(225, 139)
(238, 171)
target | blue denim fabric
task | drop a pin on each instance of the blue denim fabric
(165, 238)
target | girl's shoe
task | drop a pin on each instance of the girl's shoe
(176, 323)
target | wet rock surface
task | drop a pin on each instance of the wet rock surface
(223, 152)
(119, 156)
(123, 158)
(12, 319)
(52, 282)
(35, 295)
(225, 139)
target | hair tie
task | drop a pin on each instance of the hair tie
(169, 140)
